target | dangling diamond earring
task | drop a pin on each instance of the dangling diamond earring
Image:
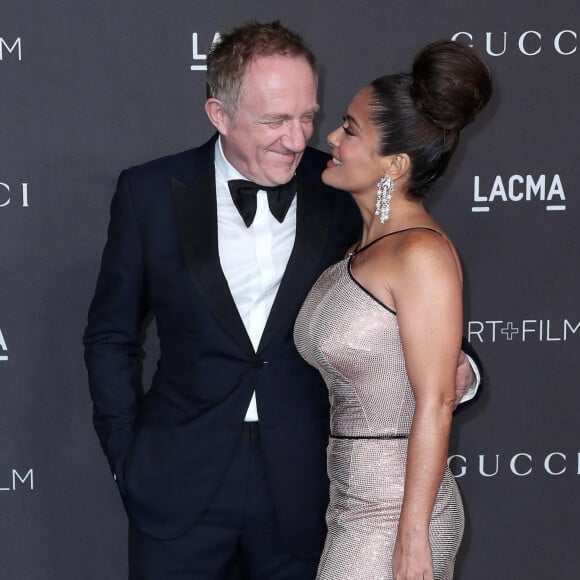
(385, 188)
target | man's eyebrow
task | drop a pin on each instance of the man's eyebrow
(283, 117)
(312, 111)
(274, 117)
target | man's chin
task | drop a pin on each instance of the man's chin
(282, 177)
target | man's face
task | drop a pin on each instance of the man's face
(273, 122)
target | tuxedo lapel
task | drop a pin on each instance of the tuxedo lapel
(303, 269)
(194, 196)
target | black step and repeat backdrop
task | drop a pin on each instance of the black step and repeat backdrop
(87, 89)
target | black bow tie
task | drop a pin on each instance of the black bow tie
(244, 197)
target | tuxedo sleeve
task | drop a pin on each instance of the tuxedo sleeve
(113, 351)
(475, 363)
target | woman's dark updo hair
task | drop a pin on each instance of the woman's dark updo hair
(421, 113)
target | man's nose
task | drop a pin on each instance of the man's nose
(295, 137)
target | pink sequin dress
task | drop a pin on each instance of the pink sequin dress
(353, 340)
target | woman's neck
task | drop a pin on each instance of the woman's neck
(404, 213)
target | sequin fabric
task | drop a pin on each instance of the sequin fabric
(354, 342)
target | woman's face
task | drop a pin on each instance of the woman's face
(355, 165)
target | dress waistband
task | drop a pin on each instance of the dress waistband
(385, 436)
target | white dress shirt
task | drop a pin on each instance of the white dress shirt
(253, 259)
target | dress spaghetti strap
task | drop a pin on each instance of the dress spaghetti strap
(352, 254)
(358, 250)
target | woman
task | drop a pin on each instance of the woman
(384, 326)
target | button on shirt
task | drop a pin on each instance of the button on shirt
(253, 259)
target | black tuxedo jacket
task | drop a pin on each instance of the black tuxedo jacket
(169, 448)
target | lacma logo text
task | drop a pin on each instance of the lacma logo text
(545, 189)
(17, 481)
(199, 57)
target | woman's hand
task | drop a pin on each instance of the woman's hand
(412, 559)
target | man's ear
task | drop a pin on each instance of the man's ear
(397, 165)
(217, 115)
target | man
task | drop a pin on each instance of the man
(224, 457)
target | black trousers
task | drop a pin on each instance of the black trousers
(237, 537)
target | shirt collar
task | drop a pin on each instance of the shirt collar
(224, 170)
